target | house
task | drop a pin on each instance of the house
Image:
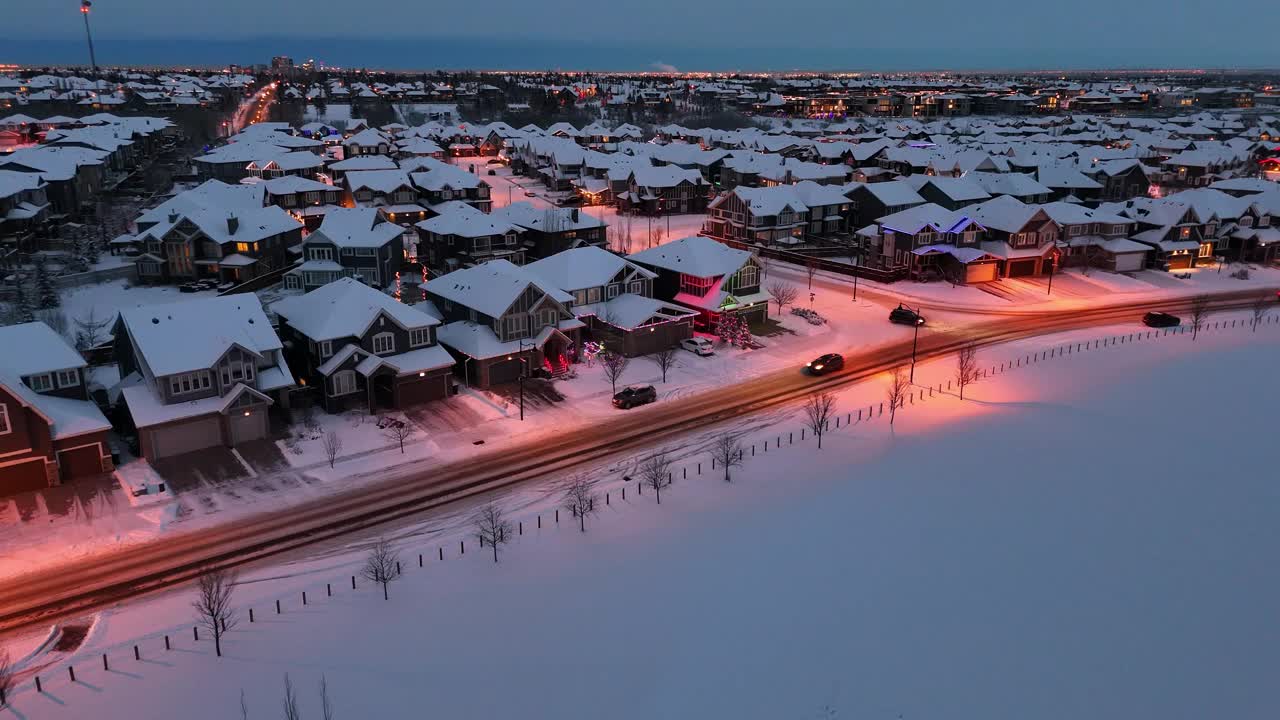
(437, 182)
(369, 141)
(1096, 239)
(24, 210)
(355, 346)
(1120, 179)
(50, 433)
(1023, 236)
(548, 231)
(350, 242)
(338, 170)
(875, 200)
(709, 277)
(786, 214)
(1179, 236)
(379, 188)
(217, 231)
(1023, 187)
(664, 190)
(934, 242)
(614, 298)
(292, 192)
(503, 322)
(462, 236)
(951, 193)
(200, 373)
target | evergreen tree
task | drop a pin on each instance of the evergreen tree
(22, 310)
(47, 294)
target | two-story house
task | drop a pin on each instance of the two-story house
(934, 242)
(199, 373)
(461, 236)
(350, 242)
(369, 141)
(1023, 236)
(294, 194)
(379, 188)
(50, 432)
(502, 322)
(356, 346)
(548, 231)
(1095, 238)
(875, 200)
(438, 182)
(782, 214)
(1178, 235)
(614, 298)
(709, 277)
(666, 190)
(24, 208)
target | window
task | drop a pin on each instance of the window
(580, 297)
(516, 324)
(347, 252)
(611, 292)
(749, 276)
(320, 253)
(68, 378)
(366, 252)
(326, 349)
(419, 337)
(1185, 233)
(636, 286)
(40, 383)
(970, 237)
(696, 285)
(1206, 249)
(5, 427)
(1245, 221)
(480, 245)
(242, 247)
(384, 343)
(593, 295)
(189, 382)
(344, 382)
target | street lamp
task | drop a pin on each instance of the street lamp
(84, 11)
(524, 367)
(915, 341)
(855, 278)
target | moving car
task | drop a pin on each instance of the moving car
(1161, 320)
(904, 315)
(635, 395)
(698, 346)
(825, 364)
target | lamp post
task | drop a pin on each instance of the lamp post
(524, 366)
(915, 340)
(855, 278)
(84, 11)
(1052, 264)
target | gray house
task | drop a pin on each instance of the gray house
(351, 242)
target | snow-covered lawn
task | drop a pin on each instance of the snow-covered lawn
(107, 299)
(1080, 538)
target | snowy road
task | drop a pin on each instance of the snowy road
(406, 492)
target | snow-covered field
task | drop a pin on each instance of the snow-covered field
(1086, 536)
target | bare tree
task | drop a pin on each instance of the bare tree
(1199, 311)
(783, 293)
(614, 364)
(326, 707)
(290, 700)
(728, 452)
(91, 331)
(655, 473)
(398, 431)
(811, 269)
(818, 410)
(665, 359)
(382, 565)
(213, 604)
(897, 392)
(332, 444)
(967, 371)
(244, 706)
(580, 499)
(6, 678)
(492, 527)
(1259, 308)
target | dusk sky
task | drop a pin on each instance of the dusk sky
(711, 34)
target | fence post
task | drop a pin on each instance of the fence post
(105, 666)
(304, 597)
(195, 633)
(277, 607)
(791, 436)
(859, 414)
(766, 447)
(38, 688)
(606, 499)
(137, 654)
(462, 547)
(420, 554)
(353, 582)
(684, 473)
(166, 642)
(624, 492)
(713, 461)
(250, 614)
(753, 450)
(557, 515)
(442, 549)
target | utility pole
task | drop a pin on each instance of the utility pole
(915, 339)
(1051, 264)
(855, 279)
(84, 10)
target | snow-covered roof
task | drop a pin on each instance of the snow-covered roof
(630, 311)
(480, 342)
(526, 215)
(192, 335)
(346, 308)
(460, 219)
(583, 267)
(490, 287)
(34, 348)
(147, 409)
(355, 228)
(696, 255)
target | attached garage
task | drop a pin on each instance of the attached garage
(1130, 262)
(416, 390)
(22, 476)
(1023, 268)
(1179, 262)
(504, 371)
(184, 437)
(980, 272)
(247, 424)
(80, 462)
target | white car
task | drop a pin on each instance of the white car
(698, 346)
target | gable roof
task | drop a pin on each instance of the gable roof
(192, 335)
(355, 227)
(346, 308)
(35, 348)
(490, 287)
(582, 267)
(696, 255)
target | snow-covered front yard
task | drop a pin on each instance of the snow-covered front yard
(1079, 538)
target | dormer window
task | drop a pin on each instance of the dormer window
(68, 378)
(384, 343)
(419, 337)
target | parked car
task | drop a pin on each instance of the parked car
(494, 161)
(530, 193)
(904, 315)
(698, 346)
(635, 395)
(825, 364)
(189, 287)
(491, 172)
(1161, 320)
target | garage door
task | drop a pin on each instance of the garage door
(1022, 268)
(420, 390)
(980, 272)
(504, 371)
(247, 427)
(1179, 262)
(177, 439)
(23, 476)
(81, 462)
(1129, 262)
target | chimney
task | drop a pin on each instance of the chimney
(574, 214)
(233, 224)
(173, 216)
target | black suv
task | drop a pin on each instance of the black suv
(825, 364)
(633, 396)
(1161, 320)
(904, 315)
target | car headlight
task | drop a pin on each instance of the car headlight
(808, 364)
(817, 367)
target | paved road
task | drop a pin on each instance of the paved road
(78, 586)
